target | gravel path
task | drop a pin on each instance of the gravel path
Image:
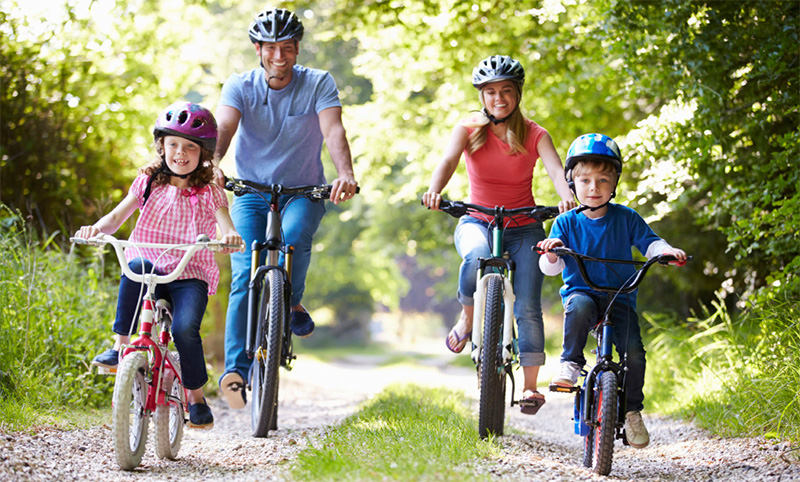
(315, 395)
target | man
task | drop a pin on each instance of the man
(283, 112)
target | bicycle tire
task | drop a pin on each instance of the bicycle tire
(265, 370)
(129, 418)
(606, 400)
(492, 392)
(588, 449)
(168, 419)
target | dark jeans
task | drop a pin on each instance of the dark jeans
(582, 310)
(188, 298)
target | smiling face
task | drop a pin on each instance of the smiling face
(278, 58)
(182, 155)
(594, 186)
(500, 98)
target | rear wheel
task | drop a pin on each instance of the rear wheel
(492, 376)
(169, 419)
(268, 355)
(129, 418)
(606, 405)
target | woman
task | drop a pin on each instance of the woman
(501, 148)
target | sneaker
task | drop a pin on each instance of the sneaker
(107, 359)
(568, 376)
(302, 325)
(232, 387)
(635, 431)
(200, 415)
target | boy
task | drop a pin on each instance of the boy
(601, 229)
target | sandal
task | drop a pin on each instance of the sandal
(461, 341)
(531, 402)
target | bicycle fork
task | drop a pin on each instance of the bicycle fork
(479, 317)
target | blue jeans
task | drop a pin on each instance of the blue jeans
(582, 311)
(188, 298)
(472, 242)
(300, 220)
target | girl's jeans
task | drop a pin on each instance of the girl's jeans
(300, 220)
(472, 242)
(582, 311)
(188, 298)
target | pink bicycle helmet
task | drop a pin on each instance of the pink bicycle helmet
(188, 120)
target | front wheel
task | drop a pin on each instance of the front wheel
(271, 321)
(606, 410)
(129, 417)
(493, 377)
(169, 418)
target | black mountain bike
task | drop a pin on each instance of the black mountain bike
(494, 335)
(599, 411)
(269, 337)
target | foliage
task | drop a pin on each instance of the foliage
(405, 433)
(54, 317)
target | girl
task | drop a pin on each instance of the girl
(177, 201)
(501, 148)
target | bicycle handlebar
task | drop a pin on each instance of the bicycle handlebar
(313, 192)
(459, 208)
(202, 242)
(630, 285)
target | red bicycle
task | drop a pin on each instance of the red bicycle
(148, 379)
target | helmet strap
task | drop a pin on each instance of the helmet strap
(584, 207)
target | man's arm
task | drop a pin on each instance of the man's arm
(330, 122)
(227, 123)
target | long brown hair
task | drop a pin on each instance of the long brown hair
(202, 176)
(516, 134)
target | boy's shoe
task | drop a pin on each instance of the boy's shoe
(233, 389)
(200, 415)
(568, 376)
(635, 431)
(109, 359)
(302, 325)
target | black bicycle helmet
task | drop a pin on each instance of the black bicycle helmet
(275, 25)
(496, 68)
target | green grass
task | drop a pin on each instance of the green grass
(406, 433)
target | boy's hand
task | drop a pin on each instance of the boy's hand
(679, 254)
(547, 244)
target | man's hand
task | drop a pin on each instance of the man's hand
(219, 176)
(343, 189)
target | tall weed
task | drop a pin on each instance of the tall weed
(55, 315)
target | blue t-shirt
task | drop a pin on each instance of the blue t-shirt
(280, 142)
(611, 236)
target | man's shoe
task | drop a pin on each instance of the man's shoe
(108, 359)
(233, 389)
(200, 415)
(568, 376)
(302, 325)
(635, 431)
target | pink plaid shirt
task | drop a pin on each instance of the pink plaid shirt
(173, 216)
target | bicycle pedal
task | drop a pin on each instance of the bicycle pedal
(107, 371)
(560, 389)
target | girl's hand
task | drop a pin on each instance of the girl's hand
(232, 238)
(87, 232)
(679, 254)
(547, 244)
(432, 200)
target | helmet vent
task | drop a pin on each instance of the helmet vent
(183, 117)
(197, 123)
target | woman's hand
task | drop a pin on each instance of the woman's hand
(566, 204)
(432, 200)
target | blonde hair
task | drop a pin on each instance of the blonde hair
(516, 133)
(202, 176)
(594, 164)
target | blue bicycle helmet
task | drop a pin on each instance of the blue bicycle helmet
(592, 146)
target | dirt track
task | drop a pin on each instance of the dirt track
(316, 395)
